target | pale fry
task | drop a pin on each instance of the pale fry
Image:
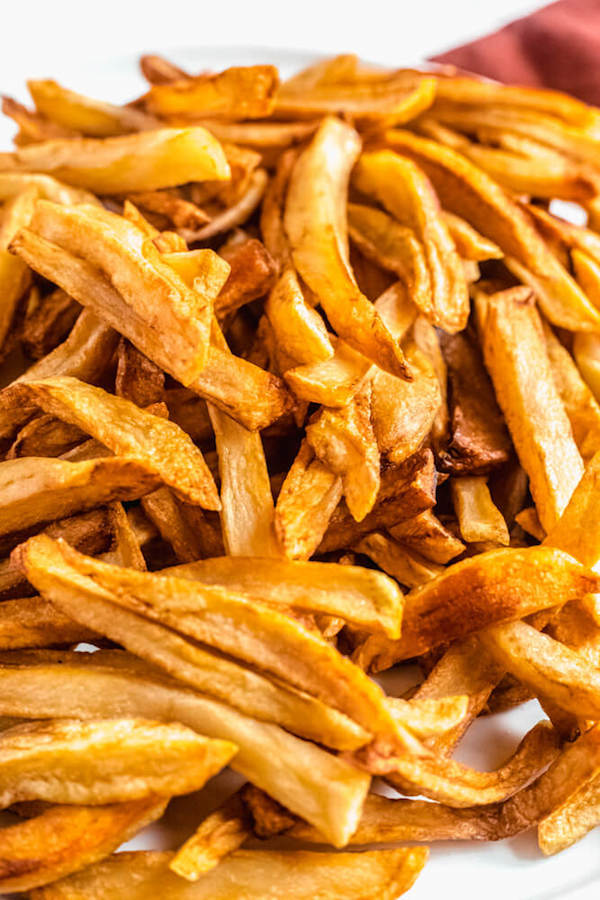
(478, 518)
(219, 835)
(84, 115)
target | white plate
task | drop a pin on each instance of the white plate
(510, 870)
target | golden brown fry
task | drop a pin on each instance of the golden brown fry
(240, 92)
(306, 502)
(546, 666)
(298, 875)
(165, 512)
(43, 436)
(48, 322)
(247, 510)
(105, 685)
(151, 291)
(261, 136)
(404, 565)
(134, 162)
(478, 439)
(586, 349)
(34, 490)
(491, 587)
(460, 786)
(403, 412)
(576, 531)
(407, 489)
(405, 191)
(468, 241)
(570, 821)
(158, 70)
(84, 115)
(271, 215)
(371, 104)
(100, 762)
(344, 441)
(529, 522)
(364, 597)
(219, 835)
(478, 518)
(32, 622)
(15, 275)
(515, 355)
(126, 551)
(425, 534)
(216, 617)
(333, 381)
(467, 191)
(392, 246)
(580, 405)
(298, 329)
(431, 717)
(65, 839)
(152, 441)
(315, 223)
(235, 215)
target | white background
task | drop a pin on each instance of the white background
(36, 36)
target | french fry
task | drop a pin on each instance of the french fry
(240, 92)
(333, 381)
(44, 436)
(234, 215)
(64, 762)
(31, 622)
(371, 104)
(299, 330)
(546, 666)
(190, 609)
(427, 535)
(35, 490)
(468, 192)
(586, 349)
(315, 224)
(13, 183)
(512, 339)
(394, 247)
(146, 161)
(299, 875)
(575, 531)
(571, 821)
(345, 442)
(247, 509)
(306, 502)
(361, 596)
(88, 688)
(165, 512)
(157, 444)
(158, 70)
(478, 518)
(92, 118)
(65, 839)
(48, 323)
(494, 586)
(409, 196)
(219, 835)
(431, 717)
(580, 405)
(252, 275)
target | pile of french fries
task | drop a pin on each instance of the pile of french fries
(301, 383)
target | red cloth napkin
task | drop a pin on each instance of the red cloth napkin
(557, 47)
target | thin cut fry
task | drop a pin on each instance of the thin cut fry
(315, 223)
